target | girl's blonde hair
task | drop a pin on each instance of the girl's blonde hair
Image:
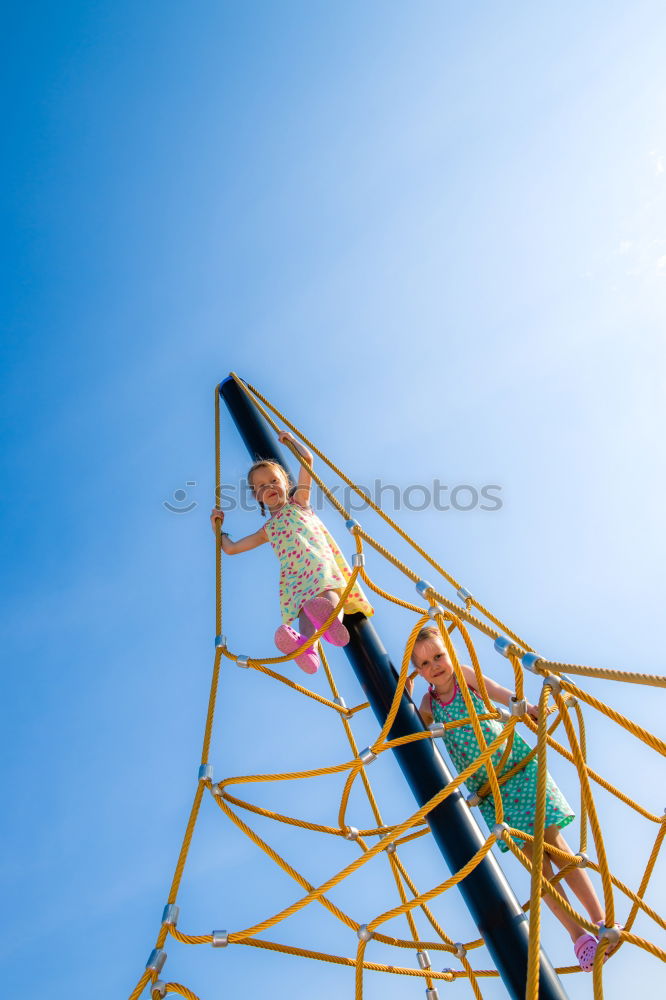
(427, 632)
(269, 463)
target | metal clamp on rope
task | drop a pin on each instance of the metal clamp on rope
(367, 756)
(343, 704)
(553, 682)
(358, 559)
(518, 706)
(499, 829)
(437, 728)
(170, 915)
(351, 833)
(423, 958)
(220, 642)
(220, 939)
(243, 661)
(432, 994)
(583, 860)
(217, 789)
(610, 934)
(435, 609)
(391, 848)
(464, 595)
(504, 713)
(206, 772)
(363, 933)
(156, 960)
(529, 661)
(423, 587)
(352, 525)
(473, 799)
(461, 950)
(158, 988)
(506, 646)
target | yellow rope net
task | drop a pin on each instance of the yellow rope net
(568, 698)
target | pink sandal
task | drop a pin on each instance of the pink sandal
(318, 610)
(585, 948)
(288, 639)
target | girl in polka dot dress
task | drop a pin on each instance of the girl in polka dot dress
(313, 571)
(444, 703)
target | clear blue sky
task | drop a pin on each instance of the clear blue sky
(435, 235)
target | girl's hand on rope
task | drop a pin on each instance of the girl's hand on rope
(216, 519)
(285, 437)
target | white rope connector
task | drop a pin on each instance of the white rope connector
(583, 860)
(434, 610)
(158, 987)
(432, 994)
(461, 950)
(351, 833)
(464, 595)
(358, 559)
(170, 915)
(437, 728)
(506, 647)
(367, 756)
(499, 829)
(343, 704)
(220, 642)
(220, 939)
(423, 958)
(473, 799)
(363, 933)
(423, 587)
(156, 960)
(610, 934)
(352, 525)
(243, 661)
(518, 706)
(529, 661)
(205, 772)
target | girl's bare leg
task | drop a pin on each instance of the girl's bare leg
(578, 879)
(572, 926)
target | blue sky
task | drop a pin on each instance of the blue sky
(436, 238)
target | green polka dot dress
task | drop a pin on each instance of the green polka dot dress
(519, 792)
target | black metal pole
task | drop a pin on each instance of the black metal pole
(489, 898)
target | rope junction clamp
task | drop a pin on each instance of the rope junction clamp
(437, 728)
(432, 994)
(461, 950)
(170, 915)
(554, 683)
(518, 706)
(423, 958)
(464, 595)
(363, 933)
(391, 848)
(156, 960)
(529, 661)
(504, 713)
(473, 799)
(242, 661)
(352, 525)
(506, 647)
(205, 772)
(610, 934)
(584, 861)
(220, 642)
(499, 829)
(158, 987)
(220, 939)
(423, 587)
(343, 704)
(217, 789)
(367, 756)
(351, 833)
(435, 609)
(358, 559)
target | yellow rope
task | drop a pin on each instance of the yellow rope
(567, 695)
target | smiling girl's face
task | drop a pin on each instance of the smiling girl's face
(433, 662)
(269, 485)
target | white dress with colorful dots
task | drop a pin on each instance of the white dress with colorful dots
(310, 561)
(519, 792)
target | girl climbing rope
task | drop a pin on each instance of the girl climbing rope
(444, 702)
(313, 571)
